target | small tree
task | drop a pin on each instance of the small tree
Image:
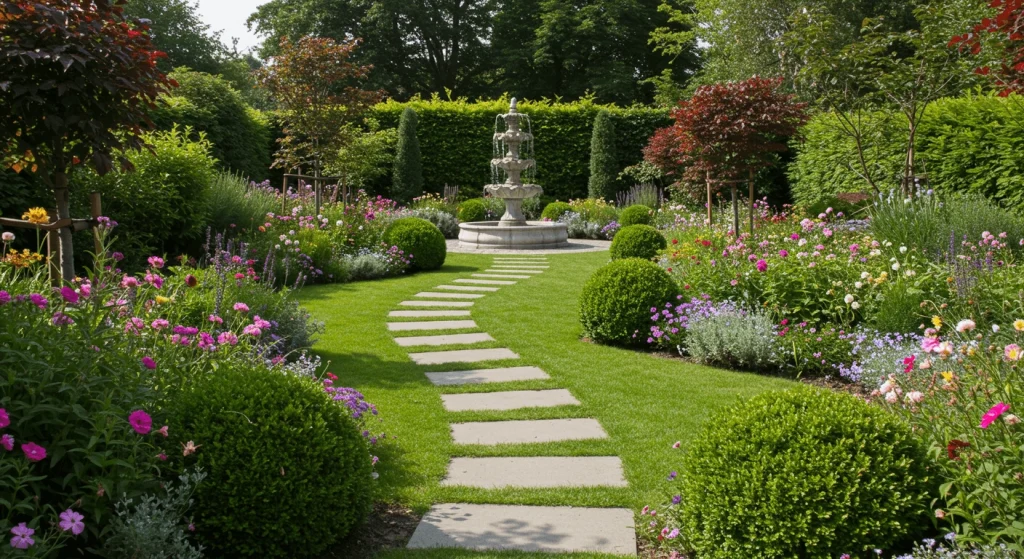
(407, 180)
(1004, 30)
(77, 79)
(604, 167)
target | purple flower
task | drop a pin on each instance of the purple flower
(783, 253)
(672, 475)
(5, 297)
(69, 295)
(72, 521)
(38, 300)
(117, 256)
(61, 319)
(22, 538)
(676, 499)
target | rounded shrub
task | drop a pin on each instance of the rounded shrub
(616, 301)
(472, 210)
(803, 473)
(288, 472)
(555, 210)
(420, 239)
(637, 214)
(637, 241)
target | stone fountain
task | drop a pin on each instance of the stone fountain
(511, 144)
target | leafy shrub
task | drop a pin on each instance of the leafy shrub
(616, 301)
(153, 527)
(407, 177)
(555, 210)
(239, 203)
(578, 228)
(636, 215)
(375, 264)
(472, 210)
(802, 473)
(289, 472)
(725, 334)
(443, 220)
(637, 241)
(420, 240)
(596, 210)
(604, 167)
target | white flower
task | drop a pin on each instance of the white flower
(864, 275)
(858, 284)
(995, 328)
(965, 325)
(903, 250)
(891, 397)
(887, 243)
(887, 387)
(338, 223)
(283, 237)
(910, 273)
(8, 236)
(855, 305)
(277, 247)
(874, 252)
(848, 298)
(801, 242)
(895, 266)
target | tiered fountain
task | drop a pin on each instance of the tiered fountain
(513, 231)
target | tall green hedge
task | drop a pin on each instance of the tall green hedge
(603, 163)
(456, 140)
(967, 144)
(407, 177)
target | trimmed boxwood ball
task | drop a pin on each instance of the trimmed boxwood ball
(616, 301)
(288, 472)
(637, 241)
(637, 214)
(803, 473)
(472, 210)
(420, 238)
(555, 210)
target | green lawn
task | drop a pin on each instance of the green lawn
(644, 402)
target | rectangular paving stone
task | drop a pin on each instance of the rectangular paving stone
(484, 282)
(526, 528)
(431, 325)
(468, 288)
(536, 471)
(519, 266)
(462, 356)
(444, 339)
(500, 276)
(511, 400)
(437, 295)
(530, 431)
(426, 314)
(436, 303)
(483, 376)
(516, 271)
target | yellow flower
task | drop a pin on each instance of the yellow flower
(1018, 325)
(947, 376)
(937, 322)
(160, 300)
(36, 215)
(24, 259)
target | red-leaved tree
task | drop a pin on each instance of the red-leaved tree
(77, 80)
(1005, 29)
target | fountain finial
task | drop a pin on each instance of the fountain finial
(512, 105)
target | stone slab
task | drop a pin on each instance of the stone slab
(526, 528)
(462, 356)
(521, 259)
(436, 303)
(523, 432)
(444, 339)
(484, 282)
(501, 276)
(573, 246)
(468, 288)
(518, 266)
(437, 295)
(483, 376)
(425, 314)
(516, 271)
(511, 400)
(536, 471)
(431, 325)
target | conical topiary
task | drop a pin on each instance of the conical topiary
(604, 165)
(407, 180)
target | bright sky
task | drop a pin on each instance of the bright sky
(229, 16)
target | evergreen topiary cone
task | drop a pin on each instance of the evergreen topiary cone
(407, 179)
(637, 241)
(420, 239)
(615, 306)
(604, 165)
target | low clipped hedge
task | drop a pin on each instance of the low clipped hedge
(637, 241)
(555, 210)
(472, 210)
(803, 473)
(288, 472)
(637, 214)
(616, 301)
(420, 239)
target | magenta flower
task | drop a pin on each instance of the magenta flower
(71, 521)
(252, 330)
(762, 266)
(7, 442)
(156, 262)
(5, 419)
(130, 282)
(148, 362)
(38, 300)
(22, 538)
(215, 319)
(5, 298)
(117, 256)
(993, 414)
(141, 422)
(33, 452)
(227, 338)
(162, 457)
(159, 324)
(783, 253)
(69, 295)
(241, 307)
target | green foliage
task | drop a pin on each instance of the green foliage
(289, 472)
(407, 179)
(849, 210)
(554, 210)
(616, 301)
(803, 473)
(239, 204)
(367, 158)
(153, 527)
(472, 210)
(604, 167)
(637, 241)
(163, 205)
(239, 135)
(637, 214)
(732, 337)
(454, 137)
(179, 31)
(420, 240)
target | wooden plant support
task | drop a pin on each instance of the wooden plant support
(53, 254)
(318, 184)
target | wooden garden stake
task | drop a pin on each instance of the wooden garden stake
(751, 183)
(709, 197)
(735, 212)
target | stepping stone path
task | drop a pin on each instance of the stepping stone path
(493, 527)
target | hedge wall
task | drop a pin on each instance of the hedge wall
(456, 140)
(967, 144)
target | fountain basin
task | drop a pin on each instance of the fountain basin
(534, 235)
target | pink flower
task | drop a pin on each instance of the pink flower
(241, 307)
(908, 364)
(252, 330)
(783, 253)
(7, 442)
(162, 431)
(762, 266)
(141, 422)
(677, 444)
(72, 521)
(162, 457)
(69, 295)
(130, 282)
(260, 323)
(915, 397)
(61, 319)
(38, 300)
(22, 538)
(227, 338)
(965, 325)
(33, 451)
(148, 362)
(993, 414)
(156, 262)
(159, 324)
(1012, 352)
(215, 319)
(5, 298)
(930, 345)
(827, 232)
(5, 419)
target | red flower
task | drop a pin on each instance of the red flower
(908, 364)
(953, 448)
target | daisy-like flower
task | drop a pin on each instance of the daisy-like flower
(1012, 352)
(37, 216)
(1018, 325)
(965, 325)
(71, 521)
